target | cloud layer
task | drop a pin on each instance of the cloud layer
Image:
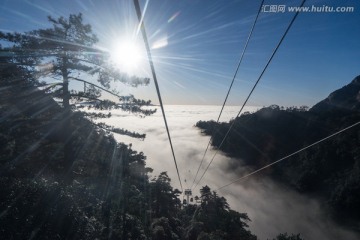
(272, 208)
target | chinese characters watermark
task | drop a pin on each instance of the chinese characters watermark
(310, 9)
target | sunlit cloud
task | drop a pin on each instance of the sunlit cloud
(162, 42)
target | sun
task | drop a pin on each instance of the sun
(126, 55)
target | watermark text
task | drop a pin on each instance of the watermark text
(307, 9)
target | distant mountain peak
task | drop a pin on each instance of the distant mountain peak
(347, 98)
(356, 80)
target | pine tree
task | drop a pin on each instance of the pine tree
(66, 52)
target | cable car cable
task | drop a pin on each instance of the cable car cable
(252, 90)
(232, 82)
(142, 27)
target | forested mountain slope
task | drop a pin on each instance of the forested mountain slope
(105, 192)
(330, 169)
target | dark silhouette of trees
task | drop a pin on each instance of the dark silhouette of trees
(330, 169)
(65, 52)
(213, 219)
(285, 236)
(165, 200)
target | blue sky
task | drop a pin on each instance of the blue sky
(204, 41)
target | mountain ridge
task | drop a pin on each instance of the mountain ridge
(330, 170)
(347, 97)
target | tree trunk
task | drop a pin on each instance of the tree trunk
(67, 127)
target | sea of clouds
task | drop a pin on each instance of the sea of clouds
(272, 208)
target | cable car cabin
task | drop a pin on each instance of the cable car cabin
(188, 192)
